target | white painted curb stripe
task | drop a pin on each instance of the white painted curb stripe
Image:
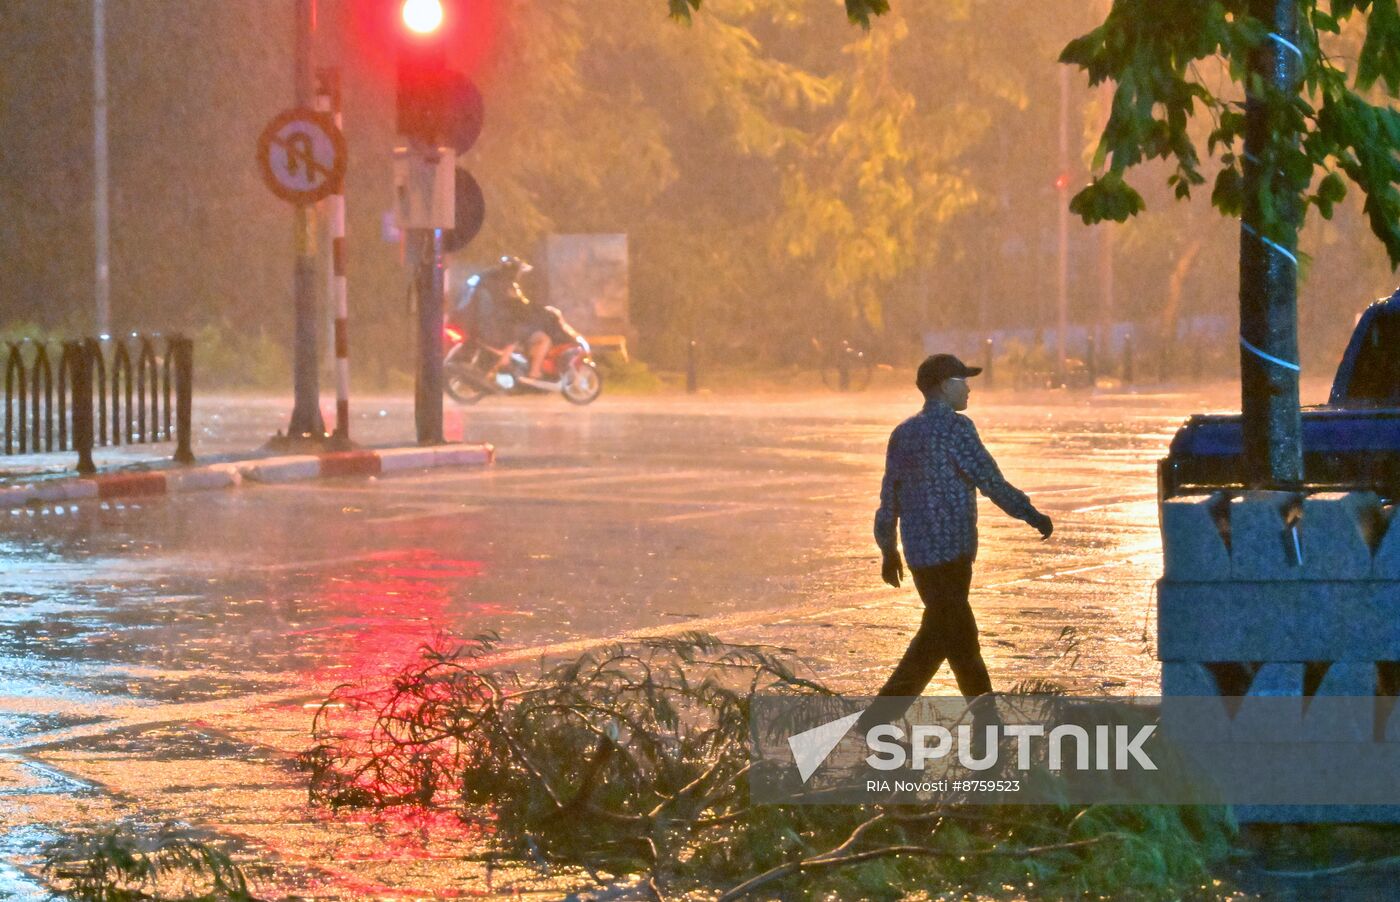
(267, 470)
(219, 476)
(461, 454)
(282, 469)
(67, 491)
(397, 459)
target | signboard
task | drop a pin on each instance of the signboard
(588, 281)
(301, 155)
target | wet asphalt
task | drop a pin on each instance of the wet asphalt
(159, 659)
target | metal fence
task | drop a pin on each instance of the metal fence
(112, 392)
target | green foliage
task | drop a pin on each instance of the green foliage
(122, 865)
(229, 358)
(628, 377)
(858, 11)
(631, 759)
(1151, 50)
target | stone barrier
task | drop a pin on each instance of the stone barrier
(1272, 594)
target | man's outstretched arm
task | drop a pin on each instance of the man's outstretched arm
(974, 460)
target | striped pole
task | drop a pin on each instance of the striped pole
(328, 100)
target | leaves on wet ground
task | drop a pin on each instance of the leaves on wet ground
(122, 864)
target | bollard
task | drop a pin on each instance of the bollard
(1091, 362)
(80, 355)
(843, 368)
(692, 380)
(1128, 359)
(988, 351)
(184, 397)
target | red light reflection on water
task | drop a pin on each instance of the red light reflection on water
(389, 605)
(375, 618)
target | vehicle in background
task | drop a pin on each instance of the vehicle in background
(1350, 443)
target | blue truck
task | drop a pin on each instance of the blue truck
(1351, 442)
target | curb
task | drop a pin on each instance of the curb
(270, 470)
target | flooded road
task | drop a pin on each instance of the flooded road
(157, 658)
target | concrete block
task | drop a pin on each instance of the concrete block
(1192, 546)
(1344, 707)
(463, 455)
(1386, 564)
(70, 490)
(1336, 531)
(1284, 621)
(218, 476)
(396, 459)
(282, 469)
(1192, 709)
(16, 495)
(1390, 711)
(1262, 544)
(1272, 709)
(1187, 679)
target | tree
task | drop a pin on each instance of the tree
(859, 11)
(1302, 124)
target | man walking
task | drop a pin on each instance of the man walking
(934, 466)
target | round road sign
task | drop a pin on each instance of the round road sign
(470, 212)
(301, 155)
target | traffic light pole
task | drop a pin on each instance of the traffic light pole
(428, 279)
(306, 423)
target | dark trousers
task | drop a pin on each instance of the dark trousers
(948, 632)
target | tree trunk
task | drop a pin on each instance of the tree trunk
(1268, 267)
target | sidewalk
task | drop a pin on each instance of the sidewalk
(146, 470)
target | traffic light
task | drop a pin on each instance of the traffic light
(422, 70)
(422, 16)
(436, 104)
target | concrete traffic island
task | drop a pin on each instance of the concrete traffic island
(231, 474)
(1270, 596)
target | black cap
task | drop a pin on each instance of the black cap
(935, 369)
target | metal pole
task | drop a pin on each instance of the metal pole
(306, 410)
(429, 277)
(1062, 319)
(82, 355)
(101, 213)
(183, 349)
(988, 352)
(1268, 269)
(329, 99)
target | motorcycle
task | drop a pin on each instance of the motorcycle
(471, 370)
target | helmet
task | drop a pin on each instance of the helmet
(514, 267)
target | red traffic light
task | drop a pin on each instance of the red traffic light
(422, 16)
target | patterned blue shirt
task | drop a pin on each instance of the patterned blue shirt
(935, 463)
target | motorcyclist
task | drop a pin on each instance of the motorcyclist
(500, 316)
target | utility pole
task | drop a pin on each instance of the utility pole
(102, 287)
(328, 100)
(306, 423)
(428, 278)
(1062, 184)
(1269, 367)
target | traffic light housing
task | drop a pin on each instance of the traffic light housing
(435, 104)
(421, 71)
